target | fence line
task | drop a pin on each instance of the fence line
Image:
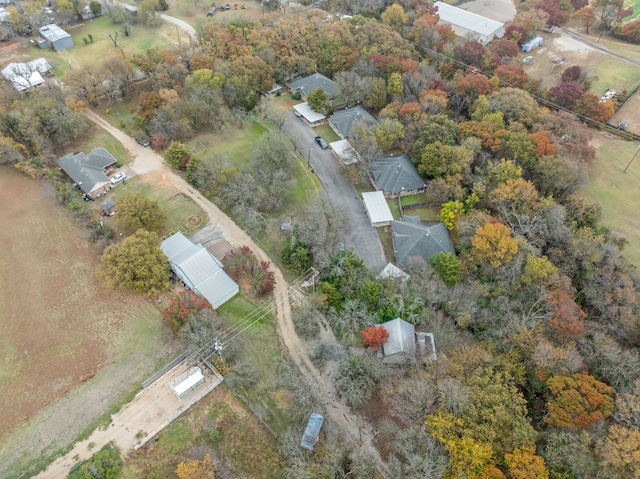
(149, 381)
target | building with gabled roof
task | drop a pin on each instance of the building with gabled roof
(414, 238)
(56, 37)
(343, 150)
(396, 176)
(343, 121)
(199, 270)
(391, 271)
(401, 343)
(88, 171)
(469, 25)
(312, 82)
(23, 76)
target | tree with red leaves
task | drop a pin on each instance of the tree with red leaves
(182, 306)
(374, 337)
(243, 266)
(513, 75)
(567, 319)
(566, 94)
(471, 52)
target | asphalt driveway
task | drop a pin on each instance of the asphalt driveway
(358, 233)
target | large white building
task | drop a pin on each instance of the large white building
(469, 25)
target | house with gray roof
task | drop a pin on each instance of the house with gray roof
(401, 343)
(414, 238)
(89, 171)
(56, 37)
(317, 80)
(343, 121)
(199, 270)
(396, 176)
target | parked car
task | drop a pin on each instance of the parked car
(143, 141)
(298, 114)
(529, 60)
(118, 178)
(623, 124)
(323, 144)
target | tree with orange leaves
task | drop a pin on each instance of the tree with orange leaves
(374, 337)
(544, 144)
(578, 401)
(524, 463)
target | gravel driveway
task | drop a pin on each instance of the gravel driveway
(358, 234)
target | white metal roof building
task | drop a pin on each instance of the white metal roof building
(469, 25)
(310, 116)
(401, 343)
(26, 75)
(57, 38)
(377, 208)
(199, 270)
(345, 151)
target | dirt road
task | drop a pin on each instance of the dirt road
(151, 165)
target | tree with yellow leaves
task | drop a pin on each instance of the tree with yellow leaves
(493, 244)
(196, 469)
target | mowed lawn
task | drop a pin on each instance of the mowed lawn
(63, 329)
(617, 191)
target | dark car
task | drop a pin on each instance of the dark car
(320, 141)
(143, 141)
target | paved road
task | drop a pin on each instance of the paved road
(359, 234)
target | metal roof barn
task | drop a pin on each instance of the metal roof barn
(469, 25)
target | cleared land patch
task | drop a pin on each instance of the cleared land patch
(62, 328)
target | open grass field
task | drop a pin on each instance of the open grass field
(195, 12)
(102, 49)
(177, 206)
(617, 191)
(327, 133)
(64, 332)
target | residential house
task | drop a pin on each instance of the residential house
(199, 270)
(343, 121)
(89, 171)
(312, 82)
(396, 176)
(469, 26)
(414, 238)
(24, 76)
(401, 343)
(377, 208)
(56, 37)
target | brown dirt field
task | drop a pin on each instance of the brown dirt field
(13, 51)
(48, 346)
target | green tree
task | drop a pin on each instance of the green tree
(395, 85)
(178, 155)
(356, 379)
(137, 263)
(448, 267)
(104, 464)
(135, 211)
(319, 101)
(388, 133)
(206, 78)
(443, 160)
(95, 7)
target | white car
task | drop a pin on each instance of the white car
(528, 60)
(118, 178)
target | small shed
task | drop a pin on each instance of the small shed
(391, 271)
(275, 89)
(531, 44)
(186, 383)
(401, 343)
(108, 207)
(312, 431)
(56, 37)
(377, 208)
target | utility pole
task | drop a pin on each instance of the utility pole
(633, 158)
